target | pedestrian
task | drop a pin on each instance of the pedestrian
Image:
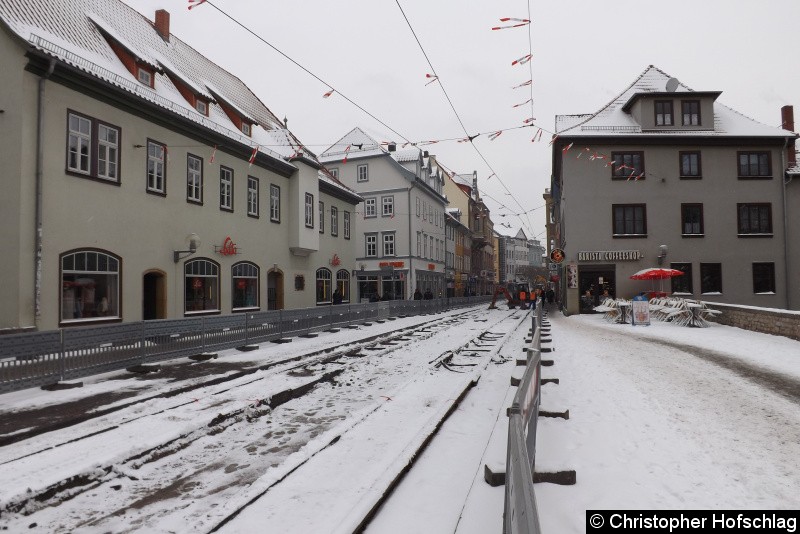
(587, 302)
(551, 295)
(428, 294)
(375, 297)
(337, 297)
(417, 294)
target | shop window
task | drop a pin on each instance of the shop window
(343, 284)
(682, 284)
(201, 286)
(90, 286)
(245, 291)
(324, 290)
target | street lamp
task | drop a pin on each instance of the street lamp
(193, 243)
(662, 253)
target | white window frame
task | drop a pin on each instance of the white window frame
(80, 139)
(194, 178)
(201, 106)
(252, 196)
(111, 151)
(371, 245)
(334, 221)
(334, 172)
(156, 167)
(362, 173)
(309, 210)
(346, 224)
(370, 207)
(274, 203)
(246, 129)
(226, 188)
(387, 206)
(388, 244)
(144, 76)
(321, 217)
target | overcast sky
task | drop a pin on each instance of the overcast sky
(584, 54)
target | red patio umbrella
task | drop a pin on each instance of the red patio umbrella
(656, 273)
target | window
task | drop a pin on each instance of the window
(347, 225)
(194, 179)
(690, 165)
(107, 152)
(710, 278)
(309, 210)
(334, 220)
(201, 106)
(225, 189)
(156, 168)
(417, 207)
(388, 244)
(361, 173)
(755, 219)
(87, 136)
(369, 207)
(274, 203)
(371, 242)
(664, 113)
(245, 290)
(321, 217)
(682, 284)
(246, 128)
(690, 110)
(419, 244)
(144, 76)
(343, 284)
(201, 286)
(424, 211)
(334, 172)
(629, 220)
(754, 165)
(691, 220)
(252, 196)
(764, 277)
(627, 165)
(90, 286)
(387, 206)
(324, 286)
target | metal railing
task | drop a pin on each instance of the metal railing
(41, 358)
(520, 515)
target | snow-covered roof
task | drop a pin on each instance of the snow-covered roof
(613, 120)
(463, 179)
(71, 32)
(355, 144)
(410, 154)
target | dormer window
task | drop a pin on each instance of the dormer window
(690, 109)
(201, 106)
(246, 128)
(144, 76)
(664, 113)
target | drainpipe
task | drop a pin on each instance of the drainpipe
(410, 250)
(787, 276)
(37, 272)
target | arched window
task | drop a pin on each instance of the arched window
(343, 284)
(201, 286)
(323, 286)
(245, 277)
(90, 285)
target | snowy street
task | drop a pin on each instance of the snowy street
(309, 436)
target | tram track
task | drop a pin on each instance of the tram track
(326, 366)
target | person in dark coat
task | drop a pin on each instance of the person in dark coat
(417, 294)
(428, 294)
(337, 297)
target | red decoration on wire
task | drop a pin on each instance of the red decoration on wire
(195, 3)
(522, 104)
(346, 150)
(495, 135)
(566, 148)
(522, 22)
(553, 140)
(529, 120)
(213, 154)
(433, 78)
(521, 61)
(253, 155)
(329, 93)
(523, 84)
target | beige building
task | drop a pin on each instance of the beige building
(143, 181)
(664, 175)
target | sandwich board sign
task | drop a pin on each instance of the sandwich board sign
(640, 311)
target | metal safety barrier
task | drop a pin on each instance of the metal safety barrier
(42, 358)
(520, 515)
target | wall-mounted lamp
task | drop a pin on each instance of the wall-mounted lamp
(193, 242)
(662, 253)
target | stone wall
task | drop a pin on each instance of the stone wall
(766, 320)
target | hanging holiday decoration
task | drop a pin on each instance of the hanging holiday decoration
(553, 140)
(195, 3)
(523, 84)
(213, 154)
(495, 135)
(521, 61)
(522, 104)
(529, 120)
(566, 148)
(432, 77)
(253, 155)
(521, 22)
(329, 93)
(346, 151)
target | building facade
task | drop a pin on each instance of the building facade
(667, 176)
(401, 241)
(138, 181)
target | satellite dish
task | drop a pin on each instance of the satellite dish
(672, 85)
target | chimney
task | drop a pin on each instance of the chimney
(787, 123)
(162, 23)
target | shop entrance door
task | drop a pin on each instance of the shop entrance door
(154, 296)
(275, 290)
(595, 279)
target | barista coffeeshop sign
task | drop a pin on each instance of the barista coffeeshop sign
(610, 255)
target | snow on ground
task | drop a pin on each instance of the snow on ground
(661, 417)
(668, 417)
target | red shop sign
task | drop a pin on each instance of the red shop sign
(228, 247)
(197, 283)
(241, 284)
